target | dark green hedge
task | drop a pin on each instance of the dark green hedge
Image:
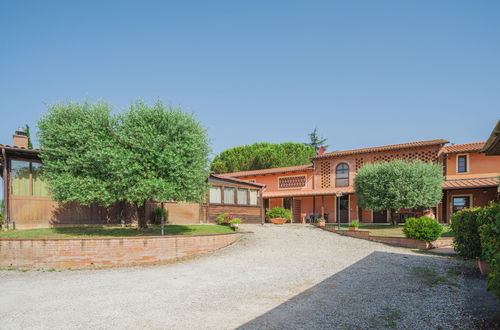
(465, 227)
(490, 245)
(423, 228)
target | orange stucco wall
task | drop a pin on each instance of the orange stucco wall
(480, 197)
(357, 161)
(480, 165)
(271, 180)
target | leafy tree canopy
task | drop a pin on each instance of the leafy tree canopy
(262, 155)
(146, 153)
(316, 141)
(398, 184)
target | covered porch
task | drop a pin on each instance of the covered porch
(334, 205)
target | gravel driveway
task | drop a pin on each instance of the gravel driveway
(278, 277)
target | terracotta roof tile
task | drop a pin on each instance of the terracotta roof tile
(270, 171)
(226, 178)
(471, 183)
(465, 147)
(19, 148)
(382, 148)
(307, 192)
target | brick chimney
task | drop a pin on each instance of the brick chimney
(21, 138)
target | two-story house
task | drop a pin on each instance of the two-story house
(326, 187)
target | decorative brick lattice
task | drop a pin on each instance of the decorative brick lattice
(324, 172)
(359, 163)
(426, 156)
(289, 182)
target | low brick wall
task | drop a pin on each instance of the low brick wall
(85, 252)
(397, 241)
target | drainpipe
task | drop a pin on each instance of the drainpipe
(5, 188)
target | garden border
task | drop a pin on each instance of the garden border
(107, 251)
(396, 241)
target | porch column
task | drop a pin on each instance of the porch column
(322, 206)
(5, 188)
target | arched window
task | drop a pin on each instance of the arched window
(342, 175)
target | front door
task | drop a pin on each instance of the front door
(343, 209)
(296, 211)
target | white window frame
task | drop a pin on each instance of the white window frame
(467, 163)
(256, 197)
(238, 202)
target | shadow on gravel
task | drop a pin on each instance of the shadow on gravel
(389, 290)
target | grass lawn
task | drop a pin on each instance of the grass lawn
(114, 231)
(388, 230)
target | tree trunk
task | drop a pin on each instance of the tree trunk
(141, 215)
(394, 217)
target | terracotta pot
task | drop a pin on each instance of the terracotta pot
(321, 223)
(353, 228)
(484, 267)
(278, 221)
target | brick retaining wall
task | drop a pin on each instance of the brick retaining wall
(397, 241)
(84, 252)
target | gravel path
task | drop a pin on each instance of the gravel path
(279, 277)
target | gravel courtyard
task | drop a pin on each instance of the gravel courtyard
(278, 277)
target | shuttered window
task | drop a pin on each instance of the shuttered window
(229, 195)
(253, 197)
(242, 196)
(215, 195)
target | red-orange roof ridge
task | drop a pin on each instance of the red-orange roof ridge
(464, 147)
(270, 170)
(383, 148)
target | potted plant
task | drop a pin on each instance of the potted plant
(225, 219)
(353, 225)
(278, 215)
(321, 222)
(235, 223)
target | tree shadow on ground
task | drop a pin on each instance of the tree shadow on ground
(389, 290)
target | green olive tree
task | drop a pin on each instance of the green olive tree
(146, 153)
(398, 184)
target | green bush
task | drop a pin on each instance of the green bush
(354, 223)
(278, 212)
(156, 216)
(1, 219)
(465, 228)
(490, 244)
(423, 228)
(225, 219)
(236, 221)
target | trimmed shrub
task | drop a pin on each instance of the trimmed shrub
(490, 244)
(465, 228)
(156, 216)
(354, 223)
(423, 228)
(1, 219)
(278, 212)
(225, 219)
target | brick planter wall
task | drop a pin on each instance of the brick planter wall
(397, 241)
(84, 252)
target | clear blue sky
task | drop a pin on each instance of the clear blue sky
(366, 73)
